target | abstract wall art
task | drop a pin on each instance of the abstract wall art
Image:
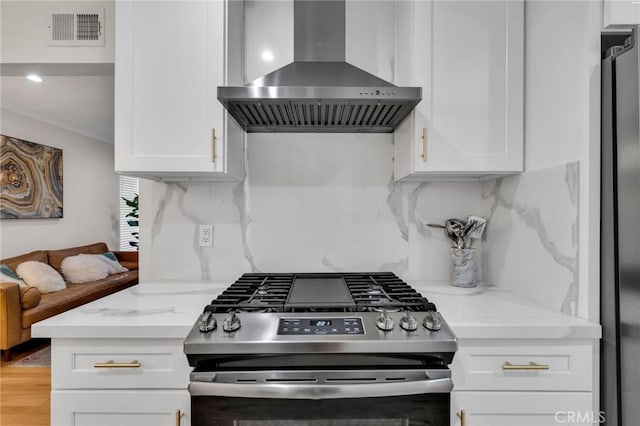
(30, 180)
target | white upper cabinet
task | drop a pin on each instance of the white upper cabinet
(170, 58)
(621, 13)
(468, 58)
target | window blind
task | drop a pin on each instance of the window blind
(128, 190)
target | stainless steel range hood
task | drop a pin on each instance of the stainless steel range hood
(319, 91)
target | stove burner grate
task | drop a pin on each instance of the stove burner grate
(254, 293)
(385, 291)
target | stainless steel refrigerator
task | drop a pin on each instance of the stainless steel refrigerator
(620, 234)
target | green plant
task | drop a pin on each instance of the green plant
(133, 203)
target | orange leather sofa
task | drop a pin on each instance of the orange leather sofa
(20, 307)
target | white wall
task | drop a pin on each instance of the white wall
(25, 33)
(90, 192)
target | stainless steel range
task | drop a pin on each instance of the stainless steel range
(320, 349)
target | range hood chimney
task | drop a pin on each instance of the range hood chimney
(319, 91)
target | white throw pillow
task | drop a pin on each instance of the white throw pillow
(40, 275)
(83, 268)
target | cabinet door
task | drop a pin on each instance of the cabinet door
(224, 67)
(522, 408)
(413, 68)
(170, 58)
(468, 58)
(121, 408)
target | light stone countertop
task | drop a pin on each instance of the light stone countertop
(151, 310)
(487, 312)
(169, 310)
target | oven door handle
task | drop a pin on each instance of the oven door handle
(320, 391)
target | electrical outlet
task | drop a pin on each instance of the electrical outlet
(206, 236)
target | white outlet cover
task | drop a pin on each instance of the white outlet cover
(205, 236)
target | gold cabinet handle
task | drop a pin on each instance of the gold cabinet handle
(462, 415)
(112, 364)
(425, 140)
(214, 155)
(179, 415)
(527, 367)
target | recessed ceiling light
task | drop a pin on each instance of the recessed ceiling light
(267, 56)
(35, 78)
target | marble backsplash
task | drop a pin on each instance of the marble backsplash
(309, 203)
(532, 243)
(316, 203)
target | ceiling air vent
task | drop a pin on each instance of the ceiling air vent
(77, 29)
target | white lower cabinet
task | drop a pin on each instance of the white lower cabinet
(522, 409)
(119, 382)
(120, 407)
(524, 382)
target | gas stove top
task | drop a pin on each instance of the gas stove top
(345, 292)
(307, 314)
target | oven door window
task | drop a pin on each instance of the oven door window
(409, 410)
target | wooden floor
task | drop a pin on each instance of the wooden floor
(24, 393)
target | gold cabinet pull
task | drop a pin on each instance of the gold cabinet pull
(526, 367)
(462, 415)
(214, 155)
(179, 415)
(425, 140)
(112, 364)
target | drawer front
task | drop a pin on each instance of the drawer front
(121, 408)
(118, 364)
(523, 409)
(521, 366)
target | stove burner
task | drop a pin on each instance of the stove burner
(370, 292)
(256, 309)
(375, 289)
(386, 309)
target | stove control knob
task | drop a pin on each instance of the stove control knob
(432, 321)
(408, 322)
(384, 322)
(231, 323)
(207, 322)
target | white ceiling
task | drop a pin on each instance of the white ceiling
(81, 104)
